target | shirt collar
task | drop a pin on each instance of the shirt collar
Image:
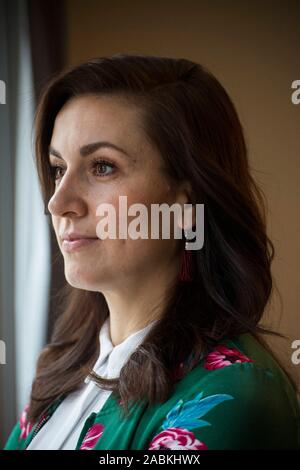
(115, 356)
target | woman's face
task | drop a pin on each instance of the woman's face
(83, 181)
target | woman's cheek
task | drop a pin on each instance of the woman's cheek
(144, 192)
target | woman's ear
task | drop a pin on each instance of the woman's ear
(187, 220)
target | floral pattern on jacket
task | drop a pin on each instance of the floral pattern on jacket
(176, 438)
(183, 417)
(222, 356)
(92, 436)
(25, 424)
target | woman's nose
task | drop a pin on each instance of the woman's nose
(67, 198)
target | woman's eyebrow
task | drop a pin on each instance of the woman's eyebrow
(91, 148)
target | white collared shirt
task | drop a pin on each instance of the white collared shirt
(63, 429)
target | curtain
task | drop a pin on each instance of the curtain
(25, 238)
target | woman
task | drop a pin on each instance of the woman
(158, 346)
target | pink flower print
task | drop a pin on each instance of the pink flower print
(92, 436)
(25, 425)
(223, 356)
(176, 438)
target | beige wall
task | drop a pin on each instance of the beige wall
(253, 48)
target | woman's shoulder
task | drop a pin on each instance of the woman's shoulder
(244, 365)
(235, 397)
(244, 352)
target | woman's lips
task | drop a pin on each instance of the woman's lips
(73, 245)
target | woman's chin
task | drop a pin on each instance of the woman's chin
(84, 279)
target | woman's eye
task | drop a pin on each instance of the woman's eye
(99, 168)
(54, 171)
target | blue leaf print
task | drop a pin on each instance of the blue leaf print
(186, 415)
(173, 414)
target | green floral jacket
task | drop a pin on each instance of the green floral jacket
(236, 397)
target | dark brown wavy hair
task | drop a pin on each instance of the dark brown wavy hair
(189, 117)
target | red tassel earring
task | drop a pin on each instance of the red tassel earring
(186, 273)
